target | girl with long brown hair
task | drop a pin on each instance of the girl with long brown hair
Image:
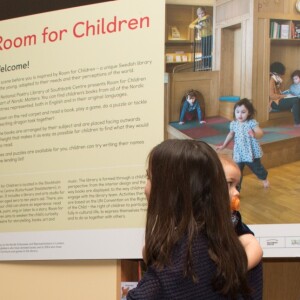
(191, 248)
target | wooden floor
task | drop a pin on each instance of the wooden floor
(280, 204)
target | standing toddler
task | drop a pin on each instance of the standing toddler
(245, 132)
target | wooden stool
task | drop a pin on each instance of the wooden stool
(226, 105)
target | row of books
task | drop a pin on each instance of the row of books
(287, 30)
(178, 57)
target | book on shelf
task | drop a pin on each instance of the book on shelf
(175, 32)
(284, 31)
(275, 30)
(184, 58)
(178, 58)
(292, 33)
(297, 30)
(169, 58)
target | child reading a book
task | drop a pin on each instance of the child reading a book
(278, 100)
(295, 87)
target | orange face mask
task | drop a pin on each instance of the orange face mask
(235, 203)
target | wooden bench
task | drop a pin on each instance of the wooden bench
(273, 115)
(226, 105)
(279, 117)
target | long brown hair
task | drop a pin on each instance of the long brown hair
(189, 194)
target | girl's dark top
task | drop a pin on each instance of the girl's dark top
(239, 226)
(170, 284)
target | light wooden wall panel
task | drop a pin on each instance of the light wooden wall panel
(274, 6)
(260, 90)
(281, 279)
(247, 57)
(234, 46)
(237, 62)
(227, 10)
(227, 62)
(205, 82)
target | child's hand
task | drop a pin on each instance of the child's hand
(202, 122)
(180, 123)
(251, 132)
(220, 147)
(124, 291)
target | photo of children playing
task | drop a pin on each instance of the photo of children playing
(242, 138)
(251, 115)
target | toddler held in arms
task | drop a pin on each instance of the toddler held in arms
(251, 245)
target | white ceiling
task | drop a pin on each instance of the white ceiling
(192, 2)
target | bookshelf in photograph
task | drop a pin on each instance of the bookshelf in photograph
(284, 29)
(285, 48)
(179, 38)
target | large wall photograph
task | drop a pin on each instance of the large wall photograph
(270, 208)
